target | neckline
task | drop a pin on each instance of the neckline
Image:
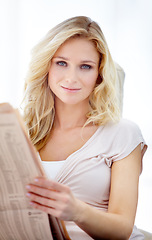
(80, 149)
(86, 143)
(61, 161)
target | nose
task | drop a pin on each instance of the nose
(71, 75)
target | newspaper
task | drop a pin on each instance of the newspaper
(18, 166)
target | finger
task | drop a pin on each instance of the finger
(56, 208)
(37, 194)
(45, 192)
(42, 201)
(47, 183)
(49, 210)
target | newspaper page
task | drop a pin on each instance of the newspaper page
(18, 166)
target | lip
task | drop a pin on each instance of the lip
(72, 90)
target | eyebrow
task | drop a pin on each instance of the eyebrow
(83, 61)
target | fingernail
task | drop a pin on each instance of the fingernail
(28, 186)
(36, 180)
(28, 194)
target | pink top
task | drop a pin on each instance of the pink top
(88, 170)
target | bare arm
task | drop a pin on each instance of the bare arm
(57, 200)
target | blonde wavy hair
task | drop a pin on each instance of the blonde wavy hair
(39, 100)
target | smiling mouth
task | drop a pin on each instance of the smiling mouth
(71, 89)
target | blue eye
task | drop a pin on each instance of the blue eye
(62, 63)
(86, 66)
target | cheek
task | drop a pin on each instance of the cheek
(91, 80)
(52, 77)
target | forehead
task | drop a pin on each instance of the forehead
(81, 47)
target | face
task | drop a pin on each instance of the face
(74, 71)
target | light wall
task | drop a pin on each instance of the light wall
(127, 27)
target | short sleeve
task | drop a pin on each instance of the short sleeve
(127, 136)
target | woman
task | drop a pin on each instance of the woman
(72, 113)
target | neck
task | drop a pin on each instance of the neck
(70, 116)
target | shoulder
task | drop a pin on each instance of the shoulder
(127, 126)
(122, 135)
(127, 123)
(123, 138)
(123, 128)
(115, 141)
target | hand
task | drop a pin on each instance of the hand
(53, 198)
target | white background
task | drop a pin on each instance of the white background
(127, 25)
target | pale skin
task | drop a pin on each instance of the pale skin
(72, 77)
